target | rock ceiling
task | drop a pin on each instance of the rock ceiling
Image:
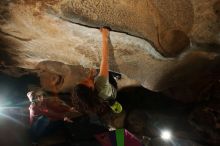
(159, 44)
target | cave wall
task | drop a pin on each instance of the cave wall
(159, 44)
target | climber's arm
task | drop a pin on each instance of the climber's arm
(104, 67)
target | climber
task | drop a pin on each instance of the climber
(97, 89)
(47, 110)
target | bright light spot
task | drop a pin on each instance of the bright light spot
(166, 135)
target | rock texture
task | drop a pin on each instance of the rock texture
(143, 32)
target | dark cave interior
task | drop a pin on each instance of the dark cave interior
(189, 122)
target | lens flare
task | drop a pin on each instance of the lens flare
(12, 119)
(166, 135)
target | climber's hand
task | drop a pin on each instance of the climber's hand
(104, 31)
(72, 109)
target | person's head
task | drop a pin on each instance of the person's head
(36, 96)
(84, 95)
(87, 100)
(39, 96)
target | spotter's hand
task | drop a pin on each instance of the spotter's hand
(66, 119)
